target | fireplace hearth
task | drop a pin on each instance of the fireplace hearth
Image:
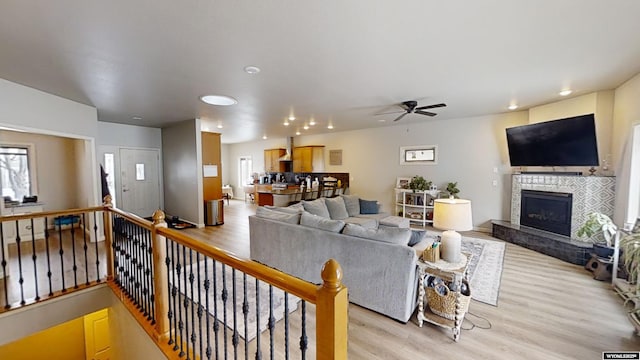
(549, 211)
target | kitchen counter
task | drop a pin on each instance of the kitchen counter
(265, 195)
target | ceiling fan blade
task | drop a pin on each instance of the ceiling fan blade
(431, 106)
(387, 113)
(401, 116)
(425, 113)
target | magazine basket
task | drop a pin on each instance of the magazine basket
(442, 301)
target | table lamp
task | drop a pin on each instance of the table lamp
(451, 215)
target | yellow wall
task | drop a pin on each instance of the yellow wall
(63, 342)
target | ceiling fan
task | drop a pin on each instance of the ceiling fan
(411, 107)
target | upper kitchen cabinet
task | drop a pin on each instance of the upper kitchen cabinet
(308, 158)
(272, 161)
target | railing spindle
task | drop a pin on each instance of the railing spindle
(216, 321)
(73, 254)
(107, 224)
(46, 243)
(272, 322)
(34, 256)
(174, 293)
(85, 248)
(193, 319)
(20, 276)
(303, 335)
(286, 325)
(200, 307)
(180, 319)
(245, 313)
(4, 268)
(61, 252)
(207, 284)
(234, 338)
(225, 294)
(258, 350)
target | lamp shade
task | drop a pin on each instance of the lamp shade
(452, 214)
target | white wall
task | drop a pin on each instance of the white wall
(32, 109)
(626, 114)
(468, 151)
(37, 112)
(182, 163)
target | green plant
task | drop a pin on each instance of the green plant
(419, 183)
(452, 189)
(598, 224)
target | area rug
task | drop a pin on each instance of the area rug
(216, 305)
(485, 269)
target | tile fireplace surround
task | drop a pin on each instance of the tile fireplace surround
(590, 194)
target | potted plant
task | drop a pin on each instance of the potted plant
(630, 252)
(419, 183)
(452, 189)
(600, 229)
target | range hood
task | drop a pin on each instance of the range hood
(287, 156)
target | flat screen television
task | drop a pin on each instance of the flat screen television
(564, 142)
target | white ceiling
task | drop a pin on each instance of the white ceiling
(335, 60)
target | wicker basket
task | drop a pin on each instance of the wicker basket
(445, 305)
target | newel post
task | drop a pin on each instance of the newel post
(108, 235)
(331, 314)
(160, 286)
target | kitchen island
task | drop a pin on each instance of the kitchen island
(268, 195)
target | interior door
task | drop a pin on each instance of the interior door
(96, 335)
(140, 179)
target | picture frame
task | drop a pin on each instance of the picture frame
(402, 182)
(419, 155)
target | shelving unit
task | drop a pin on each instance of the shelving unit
(416, 206)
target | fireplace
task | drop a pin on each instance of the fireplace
(549, 211)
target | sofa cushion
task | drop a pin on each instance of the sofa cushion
(263, 212)
(337, 208)
(417, 236)
(368, 206)
(319, 222)
(317, 207)
(352, 203)
(386, 234)
(286, 210)
(367, 223)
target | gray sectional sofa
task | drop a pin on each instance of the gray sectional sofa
(379, 267)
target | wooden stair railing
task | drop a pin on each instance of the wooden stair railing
(177, 326)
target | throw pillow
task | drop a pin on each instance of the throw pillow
(417, 236)
(352, 203)
(319, 222)
(265, 213)
(368, 207)
(387, 234)
(317, 207)
(286, 210)
(337, 208)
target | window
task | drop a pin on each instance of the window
(245, 166)
(14, 172)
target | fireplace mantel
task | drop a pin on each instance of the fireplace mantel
(590, 194)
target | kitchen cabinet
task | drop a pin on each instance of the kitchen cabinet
(272, 161)
(308, 158)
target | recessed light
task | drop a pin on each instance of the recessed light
(220, 100)
(306, 127)
(251, 69)
(382, 120)
(264, 137)
(513, 107)
(565, 92)
(219, 126)
(136, 118)
(312, 122)
(330, 127)
(298, 132)
(292, 118)
(286, 123)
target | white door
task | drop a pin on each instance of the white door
(140, 179)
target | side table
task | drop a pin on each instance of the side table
(449, 272)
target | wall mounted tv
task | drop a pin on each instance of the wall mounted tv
(564, 142)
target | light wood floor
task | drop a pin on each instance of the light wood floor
(547, 309)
